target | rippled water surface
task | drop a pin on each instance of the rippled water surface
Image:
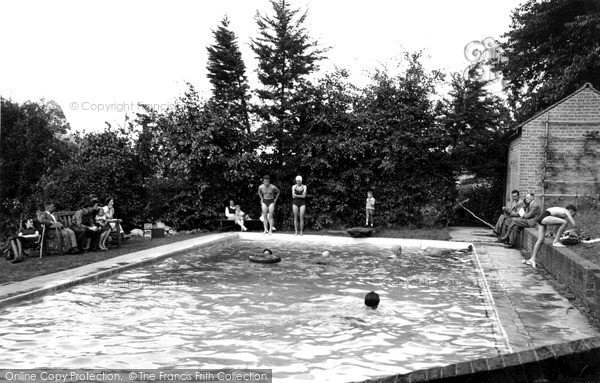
(304, 317)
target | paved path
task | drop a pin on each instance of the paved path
(531, 311)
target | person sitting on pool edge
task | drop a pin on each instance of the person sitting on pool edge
(372, 300)
(552, 216)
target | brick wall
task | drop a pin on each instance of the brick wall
(579, 274)
(513, 170)
(575, 361)
(573, 160)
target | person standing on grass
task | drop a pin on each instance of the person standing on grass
(299, 203)
(268, 194)
(552, 216)
(370, 208)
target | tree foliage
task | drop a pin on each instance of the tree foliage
(31, 146)
(227, 74)
(183, 164)
(381, 138)
(552, 49)
(404, 144)
(475, 123)
(197, 160)
(103, 164)
(286, 57)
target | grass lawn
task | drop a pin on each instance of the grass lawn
(35, 266)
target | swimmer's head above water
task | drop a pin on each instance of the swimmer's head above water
(372, 300)
(267, 252)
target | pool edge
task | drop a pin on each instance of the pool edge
(50, 283)
(561, 360)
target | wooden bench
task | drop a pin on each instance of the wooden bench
(229, 224)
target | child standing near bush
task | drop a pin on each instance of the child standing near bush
(370, 208)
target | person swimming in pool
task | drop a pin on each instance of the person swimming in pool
(552, 216)
(268, 194)
(372, 300)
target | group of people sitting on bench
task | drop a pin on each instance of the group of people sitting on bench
(90, 222)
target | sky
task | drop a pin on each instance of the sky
(99, 59)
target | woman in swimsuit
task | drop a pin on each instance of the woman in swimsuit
(552, 216)
(298, 203)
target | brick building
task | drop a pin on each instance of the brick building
(556, 153)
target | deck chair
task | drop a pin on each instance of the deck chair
(31, 244)
(51, 239)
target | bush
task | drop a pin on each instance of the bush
(483, 198)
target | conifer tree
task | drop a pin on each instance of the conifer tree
(227, 74)
(286, 57)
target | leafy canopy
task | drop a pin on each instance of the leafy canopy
(552, 49)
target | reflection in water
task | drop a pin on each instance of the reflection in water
(304, 317)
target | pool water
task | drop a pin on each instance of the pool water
(303, 317)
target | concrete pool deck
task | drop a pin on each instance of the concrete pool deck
(531, 311)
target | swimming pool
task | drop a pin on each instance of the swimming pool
(303, 317)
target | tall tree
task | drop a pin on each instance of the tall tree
(475, 121)
(552, 49)
(32, 145)
(286, 57)
(227, 74)
(103, 164)
(404, 147)
(198, 160)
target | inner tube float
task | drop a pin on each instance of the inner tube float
(264, 258)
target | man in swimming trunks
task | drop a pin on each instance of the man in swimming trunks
(268, 197)
(552, 216)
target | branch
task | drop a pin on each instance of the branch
(473, 214)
